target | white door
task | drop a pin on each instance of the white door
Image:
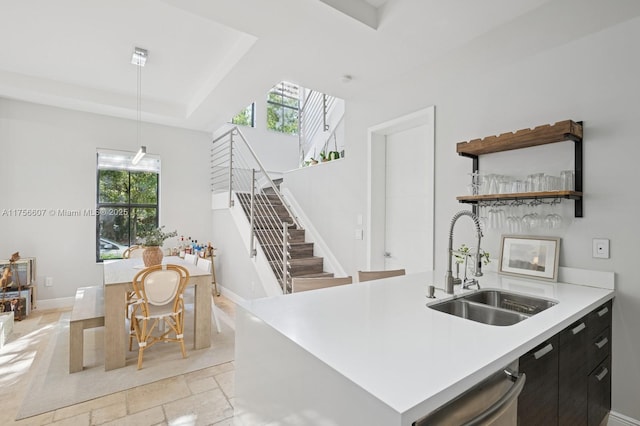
(409, 199)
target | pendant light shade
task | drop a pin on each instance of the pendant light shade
(141, 153)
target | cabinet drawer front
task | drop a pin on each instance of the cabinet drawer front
(599, 392)
(599, 349)
(599, 319)
(576, 331)
(538, 402)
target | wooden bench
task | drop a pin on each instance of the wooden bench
(88, 312)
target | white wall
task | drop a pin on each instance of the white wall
(235, 269)
(49, 162)
(593, 79)
(277, 151)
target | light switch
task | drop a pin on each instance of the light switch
(359, 234)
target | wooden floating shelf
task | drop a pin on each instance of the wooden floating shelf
(525, 138)
(573, 195)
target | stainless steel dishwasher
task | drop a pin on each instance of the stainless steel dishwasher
(494, 401)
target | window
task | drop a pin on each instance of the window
(127, 201)
(283, 104)
(246, 117)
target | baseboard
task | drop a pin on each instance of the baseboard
(617, 419)
(59, 303)
(231, 295)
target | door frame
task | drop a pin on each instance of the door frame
(376, 181)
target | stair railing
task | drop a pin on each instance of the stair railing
(313, 119)
(236, 168)
(286, 274)
(271, 232)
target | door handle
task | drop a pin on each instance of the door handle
(602, 374)
(600, 344)
(499, 407)
(577, 329)
(542, 352)
(387, 254)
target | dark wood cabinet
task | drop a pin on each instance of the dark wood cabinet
(599, 393)
(569, 376)
(573, 375)
(599, 362)
(538, 402)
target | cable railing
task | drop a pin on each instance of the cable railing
(236, 169)
(313, 119)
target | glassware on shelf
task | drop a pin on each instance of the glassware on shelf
(490, 185)
(568, 180)
(496, 218)
(474, 188)
(553, 221)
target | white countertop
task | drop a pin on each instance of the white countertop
(383, 337)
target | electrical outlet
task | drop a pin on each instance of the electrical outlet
(601, 248)
(48, 281)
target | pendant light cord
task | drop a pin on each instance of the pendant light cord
(139, 103)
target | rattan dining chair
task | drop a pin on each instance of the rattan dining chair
(376, 275)
(133, 252)
(159, 300)
(306, 284)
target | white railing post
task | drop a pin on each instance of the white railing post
(266, 175)
(252, 240)
(231, 169)
(285, 256)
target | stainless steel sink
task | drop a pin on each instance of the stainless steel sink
(521, 303)
(494, 307)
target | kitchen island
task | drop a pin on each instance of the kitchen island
(373, 353)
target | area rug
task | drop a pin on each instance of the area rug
(52, 387)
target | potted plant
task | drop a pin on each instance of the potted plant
(334, 155)
(464, 252)
(152, 241)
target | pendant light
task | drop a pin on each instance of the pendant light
(138, 59)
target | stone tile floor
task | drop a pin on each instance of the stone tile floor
(203, 397)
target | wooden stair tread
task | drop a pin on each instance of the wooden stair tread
(269, 214)
(318, 275)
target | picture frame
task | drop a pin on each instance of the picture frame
(530, 256)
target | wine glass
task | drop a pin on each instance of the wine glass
(530, 221)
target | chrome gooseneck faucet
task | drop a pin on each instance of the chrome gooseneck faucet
(448, 279)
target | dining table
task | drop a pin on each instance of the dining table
(118, 278)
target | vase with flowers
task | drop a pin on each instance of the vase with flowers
(152, 241)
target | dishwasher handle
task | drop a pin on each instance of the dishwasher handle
(501, 405)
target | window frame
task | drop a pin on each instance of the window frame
(279, 90)
(253, 116)
(128, 205)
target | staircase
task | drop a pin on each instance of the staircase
(269, 215)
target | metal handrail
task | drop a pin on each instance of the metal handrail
(236, 131)
(238, 170)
